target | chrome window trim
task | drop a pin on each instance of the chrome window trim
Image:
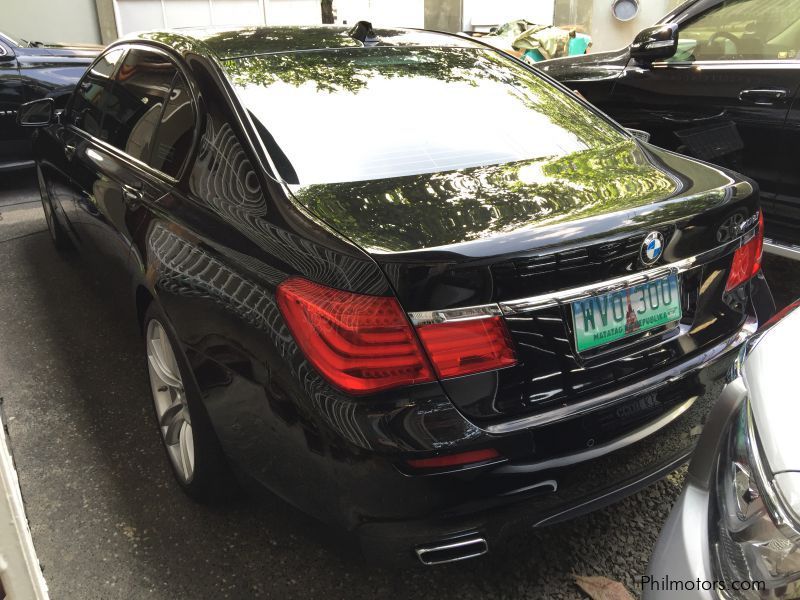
(514, 307)
(781, 63)
(182, 72)
(122, 155)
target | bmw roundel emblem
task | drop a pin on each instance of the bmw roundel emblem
(652, 247)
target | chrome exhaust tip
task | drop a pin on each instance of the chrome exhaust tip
(452, 551)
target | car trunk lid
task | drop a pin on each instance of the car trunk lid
(539, 229)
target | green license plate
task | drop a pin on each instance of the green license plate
(603, 319)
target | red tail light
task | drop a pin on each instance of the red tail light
(747, 259)
(360, 343)
(464, 347)
(454, 460)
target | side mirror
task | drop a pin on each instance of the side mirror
(655, 43)
(37, 113)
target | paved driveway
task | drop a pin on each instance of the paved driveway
(108, 521)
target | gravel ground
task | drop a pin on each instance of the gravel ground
(108, 522)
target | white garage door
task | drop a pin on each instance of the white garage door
(138, 15)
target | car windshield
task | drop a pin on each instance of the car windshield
(363, 114)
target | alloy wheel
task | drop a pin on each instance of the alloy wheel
(169, 397)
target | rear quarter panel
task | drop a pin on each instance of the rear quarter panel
(212, 252)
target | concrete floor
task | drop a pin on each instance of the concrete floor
(108, 521)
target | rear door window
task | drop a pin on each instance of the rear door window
(136, 103)
(173, 140)
(88, 102)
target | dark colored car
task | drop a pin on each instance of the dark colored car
(31, 70)
(428, 334)
(717, 80)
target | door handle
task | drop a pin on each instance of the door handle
(763, 97)
(69, 151)
(131, 193)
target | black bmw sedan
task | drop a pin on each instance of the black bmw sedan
(31, 70)
(402, 280)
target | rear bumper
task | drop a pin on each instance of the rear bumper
(398, 543)
(498, 501)
(344, 462)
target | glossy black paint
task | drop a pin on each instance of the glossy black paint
(212, 245)
(29, 73)
(669, 97)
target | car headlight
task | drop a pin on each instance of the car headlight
(757, 538)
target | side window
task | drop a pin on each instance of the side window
(742, 30)
(134, 106)
(88, 101)
(173, 139)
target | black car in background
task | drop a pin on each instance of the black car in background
(31, 70)
(429, 337)
(717, 80)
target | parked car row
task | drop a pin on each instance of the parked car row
(31, 70)
(447, 335)
(718, 80)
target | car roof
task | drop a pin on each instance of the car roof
(229, 43)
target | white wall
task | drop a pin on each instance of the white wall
(139, 15)
(381, 13)
(293, 12)
(482, 13)
(610, 34)
(48, 21)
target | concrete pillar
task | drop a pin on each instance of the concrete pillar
(107, 20)
(444, 15)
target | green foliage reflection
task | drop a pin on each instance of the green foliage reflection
(420, 211)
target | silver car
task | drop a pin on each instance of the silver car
(735, 531)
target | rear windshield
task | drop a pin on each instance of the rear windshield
(361, 114)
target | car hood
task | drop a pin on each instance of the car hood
(519, 206)
(601, 66)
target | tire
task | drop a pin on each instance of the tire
(57, 233)
(192, 447)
